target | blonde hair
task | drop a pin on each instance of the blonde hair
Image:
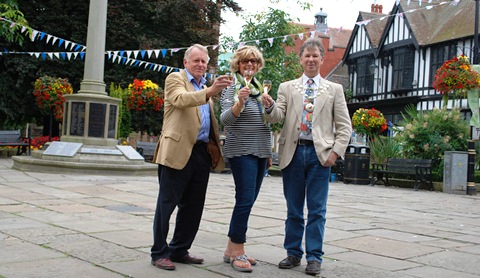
(244, 52)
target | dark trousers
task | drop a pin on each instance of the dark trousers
(185, 189)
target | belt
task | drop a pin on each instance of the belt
(305, 142)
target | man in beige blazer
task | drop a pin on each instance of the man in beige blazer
(185, 157)
(316, 131)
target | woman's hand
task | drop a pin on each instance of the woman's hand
(243, 94)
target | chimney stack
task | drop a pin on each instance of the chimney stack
(378, 9)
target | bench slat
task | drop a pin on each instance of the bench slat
(420, 169)
(13, 138)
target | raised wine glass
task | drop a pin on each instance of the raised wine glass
(229, 76)
(248, 75)
(267, 85)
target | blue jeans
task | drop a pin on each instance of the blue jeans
(305, 177)
(248, 172)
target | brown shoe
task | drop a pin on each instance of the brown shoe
(164, 263)
(187, 259)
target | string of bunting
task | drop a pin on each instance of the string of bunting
(365, 22)
(130, 57)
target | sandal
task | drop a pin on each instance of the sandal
(244, 259)
(252, 261)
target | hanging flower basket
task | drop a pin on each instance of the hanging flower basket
(143, 95)
(456, 77)
(144, 103)
(49, 95)
(369, 122)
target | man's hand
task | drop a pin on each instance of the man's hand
(267, 100)
(220, 83)
(332, 158)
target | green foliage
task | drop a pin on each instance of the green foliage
(157, 24)
(279, 65)
(13, 33)
(428, 134)
(124, 117)
(348, 94)
(383, 147)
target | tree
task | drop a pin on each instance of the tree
(159, 24)
(279, 65)
(13, 32)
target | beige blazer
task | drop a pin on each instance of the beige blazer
(182, 121)
(331, 125)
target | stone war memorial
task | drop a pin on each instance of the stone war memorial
(88, 143)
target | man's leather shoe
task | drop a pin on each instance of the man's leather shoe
(289, 262)
(164, 263)
(313, 267)
(187, 259)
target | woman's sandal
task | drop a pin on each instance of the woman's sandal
(244, 259)
(252, 261)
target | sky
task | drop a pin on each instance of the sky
(341, 13)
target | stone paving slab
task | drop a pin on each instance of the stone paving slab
(64, 225)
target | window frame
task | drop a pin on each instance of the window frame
(403, 61)
(364, 77)
(438, 55)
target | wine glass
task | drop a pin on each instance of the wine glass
(229, 76)
(248, 75)
(267, 85)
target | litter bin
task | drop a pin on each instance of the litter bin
(357, 165)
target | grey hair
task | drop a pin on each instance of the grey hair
(197, 46)
(312, 43)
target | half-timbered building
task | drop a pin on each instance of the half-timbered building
(392, 58)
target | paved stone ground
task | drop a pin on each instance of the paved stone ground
(59, 225)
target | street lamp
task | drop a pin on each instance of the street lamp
(475, 36)
(471, 188)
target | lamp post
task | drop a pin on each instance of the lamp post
(471, 188)
(475, 36)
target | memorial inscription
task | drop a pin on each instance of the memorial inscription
(96, 120)
(77, 120)
(58, 148)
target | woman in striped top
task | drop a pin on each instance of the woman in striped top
(247, 147)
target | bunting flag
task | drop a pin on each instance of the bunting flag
(270, 40)
(131, 57)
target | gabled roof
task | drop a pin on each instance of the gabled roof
(373, 29)
(435, 22)
(429, 23)
(338, 36)
(442, 22)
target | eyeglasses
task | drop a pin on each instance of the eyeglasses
(245, 61)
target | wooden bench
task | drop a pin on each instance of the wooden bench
(421, 169)
(13, 138)
(146, 149)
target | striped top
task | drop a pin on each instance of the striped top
(246, 134)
